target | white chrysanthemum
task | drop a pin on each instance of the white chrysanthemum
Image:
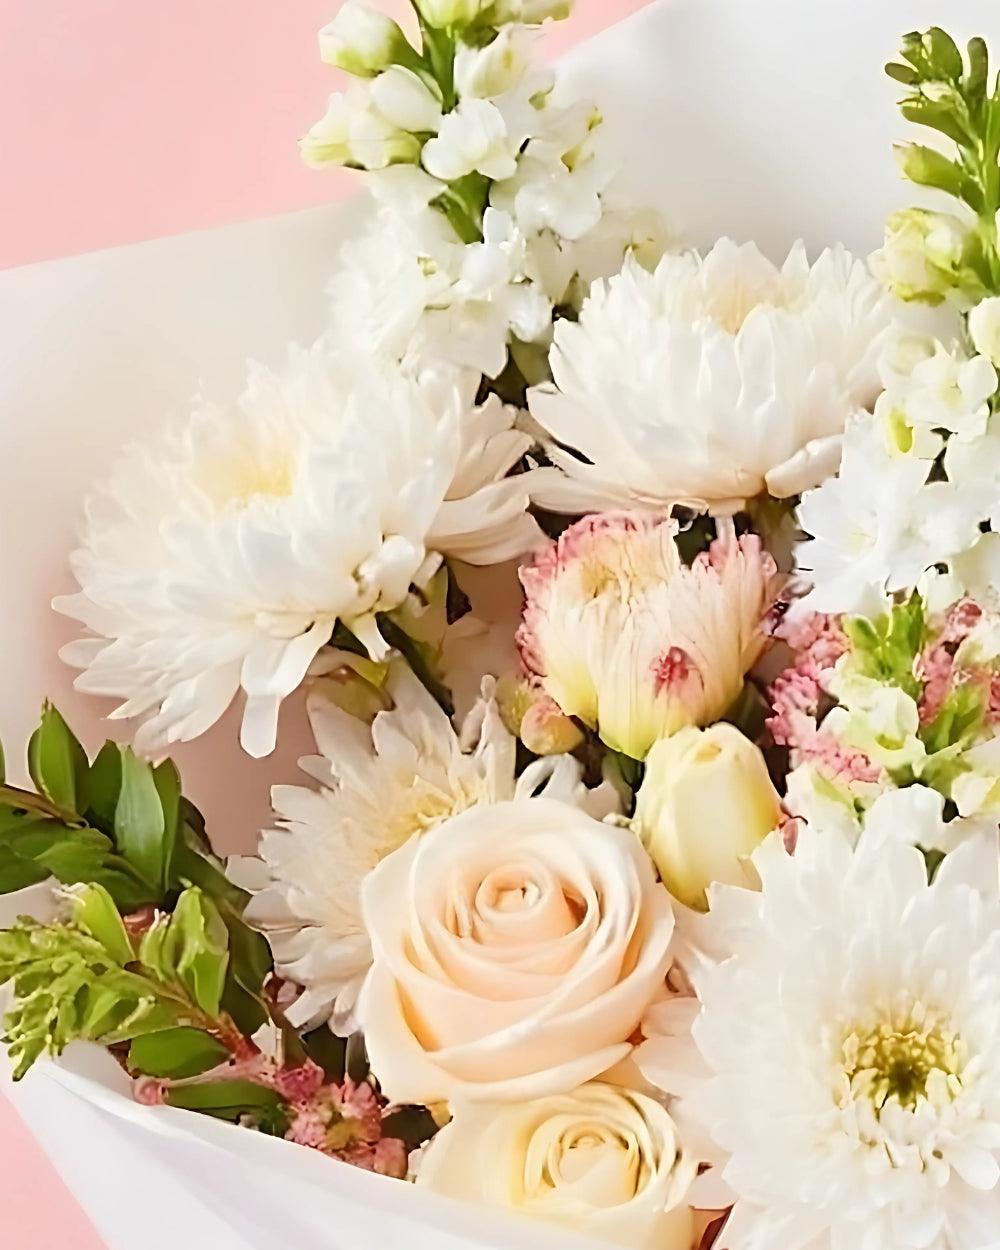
(222, 556)
(710, 380)
(380, 785)
(850, 1046)
(620, 633)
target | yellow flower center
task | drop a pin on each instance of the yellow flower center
(244, 474)
(915, 1059)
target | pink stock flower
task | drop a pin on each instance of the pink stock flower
(623, 635)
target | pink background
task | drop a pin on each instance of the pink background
(122, 121)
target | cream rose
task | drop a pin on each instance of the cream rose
(601, 1160)
(705, 804)
(516, 948)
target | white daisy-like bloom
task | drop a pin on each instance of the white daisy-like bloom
(220, 557)
(710, 380)
(623, 635)
(845, 1060)
(379, 786)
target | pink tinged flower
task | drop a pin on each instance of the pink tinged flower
(624, 636)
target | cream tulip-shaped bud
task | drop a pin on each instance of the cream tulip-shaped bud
(363, 41)
(984, 328)
(705, 804)
(599, 1160)
(531, 12)
(444, 13)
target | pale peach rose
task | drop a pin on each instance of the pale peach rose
(601, 1160)
(516, 948)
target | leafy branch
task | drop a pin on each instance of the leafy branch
(123, 824)
(88, 979)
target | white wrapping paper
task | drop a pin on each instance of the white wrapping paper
(765, 119)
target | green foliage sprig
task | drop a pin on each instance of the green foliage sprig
(958, 97)
(122, 824)
(87, 979)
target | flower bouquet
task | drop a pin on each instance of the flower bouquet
(643, 880)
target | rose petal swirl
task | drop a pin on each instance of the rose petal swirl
(516, 948)
(601, 1160)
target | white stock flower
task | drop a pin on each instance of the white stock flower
(516, 948)
(711, 380)
(850, 1048)
(497, 68)
(949, 392)
(602, 1161)
(560, 177)
(626, 637)
(220, 557)
(984, 328)
(472, 138)
(859, 525)
(362, 41)
(373, 124)
(379, 786)
(409, 287)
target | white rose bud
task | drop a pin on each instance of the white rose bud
(362, 41)
(984, 327)
(600, 1160)
(705, 804)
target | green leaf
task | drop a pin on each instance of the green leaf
(190, 949)
(411, 1125)
(104, 786)
(928, 168)
(17, 874)
(325, 1048)
(979, 68)
(232, 1100)
(886, 648)
(176, 1053)
(57, 762)
(944, 53)
(168, 786)
(95, 912)
(140, 825)
(959, 720)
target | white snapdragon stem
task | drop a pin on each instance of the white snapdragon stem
(472, 139)
(363, 41)
(375, 125)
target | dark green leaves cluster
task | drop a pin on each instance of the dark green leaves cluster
(958, 97)
(122, 824)
(115, 821)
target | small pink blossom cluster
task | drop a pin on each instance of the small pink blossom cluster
(342, 1121)
(940, 672)
(797, 694)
